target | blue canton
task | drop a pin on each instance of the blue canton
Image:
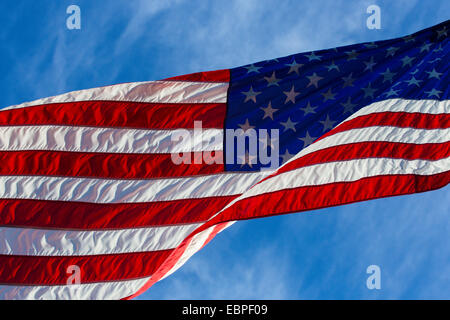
(306, 95)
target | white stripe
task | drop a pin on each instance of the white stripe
(150, 91)
(378, 134)
(99, 291)
(108, 140)
(346, 171)
(42, 242)
(105, 290)
(125, 191)
(404, 105)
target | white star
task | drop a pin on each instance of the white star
(408, 38)
(425, 47)
(369, 64)
(439, 49)
(391, 93)
(333, 66)
(245, 126)
(348, 81)
(369, 91)
(413, 81)
(265, 143)
(247, 159)
(434, 74)
(307, 140)
(286, 156)
(442, 32)
(312, 56)
(314, 80)
(352, 55)
(294, 66)
(388, 75)
(269, 111)
(252, 68)
(433, 92)
(289, 125)
(290, 95)
(250, 95)
(272, 80)
(327, 123)
(391, 51)
(434, 60)
(308, 109)
(371, 45)
(407, 61)
(328, 95)
(348, 106)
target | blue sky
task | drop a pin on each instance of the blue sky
(316, 255)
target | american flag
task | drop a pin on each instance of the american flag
(92, 205)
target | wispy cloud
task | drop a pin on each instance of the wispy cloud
(142, 13)
(255, 276)
(180, 36)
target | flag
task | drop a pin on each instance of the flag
(105, 191)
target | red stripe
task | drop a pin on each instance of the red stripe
(209, 76)
(329, 195)
(37, 270)
(165, 267)
(103, 165)
(89, 216)
(118, 114)
(377, 149)
(176, 254)
(395, 119)
(308, 198)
